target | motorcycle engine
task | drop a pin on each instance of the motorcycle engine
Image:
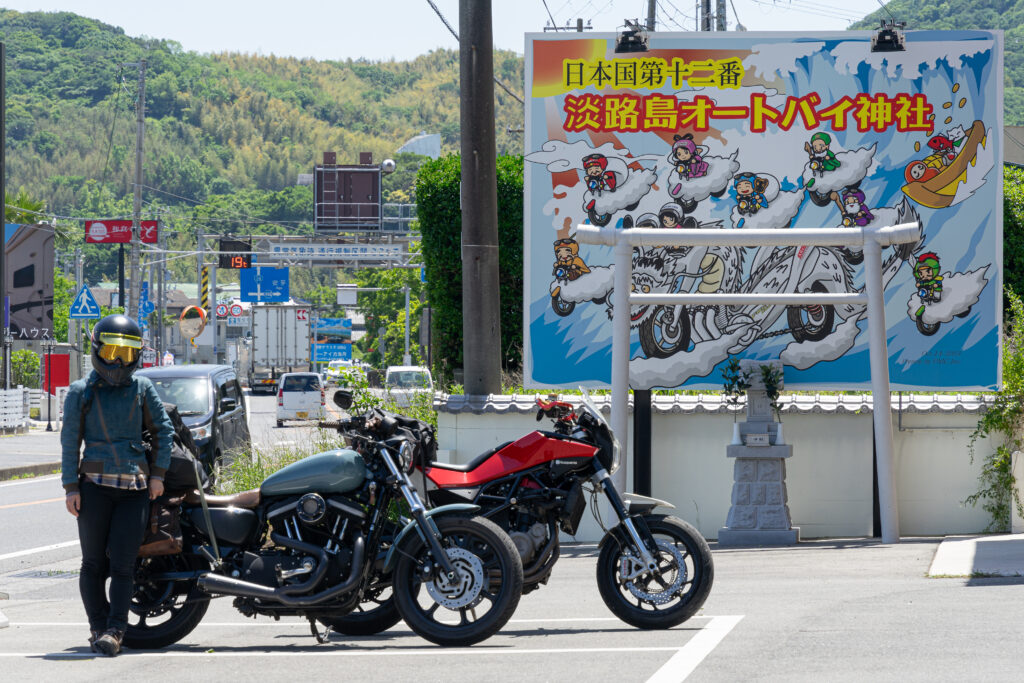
(530, 541)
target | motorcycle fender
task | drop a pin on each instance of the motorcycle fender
(392, 557)
(642, 505)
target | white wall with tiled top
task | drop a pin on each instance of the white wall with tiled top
(829, 477)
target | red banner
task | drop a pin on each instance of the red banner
(118, 231)
(58, 367)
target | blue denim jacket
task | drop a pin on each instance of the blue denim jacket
(113, 430)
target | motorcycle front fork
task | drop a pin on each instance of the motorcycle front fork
(604, 480)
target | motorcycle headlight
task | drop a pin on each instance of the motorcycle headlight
(405, 456)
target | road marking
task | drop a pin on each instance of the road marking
(432, 651)
(31, 502)
(33, 551)
(301, 624)
(689, 657)
(32, 480)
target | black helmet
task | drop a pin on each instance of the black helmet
(116, 348)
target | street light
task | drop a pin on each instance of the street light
(48, 343)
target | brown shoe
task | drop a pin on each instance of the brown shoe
(93, 637)
(110, 642)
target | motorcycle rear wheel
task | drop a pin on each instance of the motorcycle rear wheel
(493, 580)
(160, 613)
(811, 323)
(673, 596)
(660, 339)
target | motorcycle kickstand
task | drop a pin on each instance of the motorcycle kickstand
(321, 636)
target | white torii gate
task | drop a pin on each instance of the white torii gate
(872, 239)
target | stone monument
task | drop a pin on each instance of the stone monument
(759, 514)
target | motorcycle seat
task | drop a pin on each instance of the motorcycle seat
(245, 499)
(472, 464)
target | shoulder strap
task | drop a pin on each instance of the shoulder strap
(86, 405)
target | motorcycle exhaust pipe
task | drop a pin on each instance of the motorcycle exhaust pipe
(226, 585)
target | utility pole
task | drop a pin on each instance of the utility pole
(5, 332)
(406, 358)
(481, 324)
(200, 267)
(720, 15)
(162, 267)
(705, 15)
(651, 9)
(132, 310)
(77, 348)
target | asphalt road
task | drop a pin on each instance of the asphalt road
(847, 610)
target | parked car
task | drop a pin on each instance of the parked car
(212, 405)
(300, 396)
(402, 382)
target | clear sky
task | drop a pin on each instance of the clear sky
(403, 29)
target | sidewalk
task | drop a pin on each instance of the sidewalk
(34, 452)
(979, 556)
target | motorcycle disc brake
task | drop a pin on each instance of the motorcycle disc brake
(466, 589)
(648, 588)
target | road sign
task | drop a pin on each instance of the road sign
(222, 310)
(326, 352)
(327, 251)
(236, 310)
(84, 306)
(263, 284)
(238, 321)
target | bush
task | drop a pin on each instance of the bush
(437, 206)
(1013, 231)
(1005, 420)
(25, 366)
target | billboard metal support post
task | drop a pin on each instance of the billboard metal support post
(872, 240)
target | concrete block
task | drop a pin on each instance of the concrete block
(745, 538)
(742, 517)
(774, 494)
(773, 517)
(769, 470)
(740, 494)
(745, 470)
(757, 494)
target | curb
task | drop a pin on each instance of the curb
(39, 469)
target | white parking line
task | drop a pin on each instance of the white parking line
(32, 480)
(42, 549)
(278, 624)
(411, 652)
(689, 657)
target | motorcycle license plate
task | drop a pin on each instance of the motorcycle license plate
(303, 414)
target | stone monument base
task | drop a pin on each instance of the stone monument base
(736, 538)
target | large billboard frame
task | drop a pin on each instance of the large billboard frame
(954, 341)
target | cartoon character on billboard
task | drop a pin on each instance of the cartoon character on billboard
(943, 154)
(822, 158)
(687, 159)
(598, 178)
(749, 188)
(940, 298)
(575, 281)
(854, 210)
(568, 264)
(927, 278)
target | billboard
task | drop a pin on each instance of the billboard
(119, 232)
(28, 272)
(738, 131)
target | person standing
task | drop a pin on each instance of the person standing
(106, 490)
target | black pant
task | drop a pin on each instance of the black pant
(111, 524)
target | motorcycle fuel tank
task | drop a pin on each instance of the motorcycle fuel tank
(337, 471)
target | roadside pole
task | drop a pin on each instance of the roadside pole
(406, 358)
(77, 347)
(132, 310)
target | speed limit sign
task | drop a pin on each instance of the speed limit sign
(236, 310)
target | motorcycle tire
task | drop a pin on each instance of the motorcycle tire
(699, 574)
(688, 206)
(371, 617)
(808, 330)
(562, 307)
(925, 328)
(599, 219)
(719, 194)
(154, 600)
(493, 570)
(654, 340)
(818, 198)
(964, 314)
(854, 258)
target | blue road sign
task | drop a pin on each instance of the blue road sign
(84, 306)
(262, 284)
(326, 352)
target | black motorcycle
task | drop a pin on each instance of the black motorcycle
(653, 571)
(325, 534)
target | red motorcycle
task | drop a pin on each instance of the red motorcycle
(653, 570)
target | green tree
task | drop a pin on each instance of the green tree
(386, 309)
(25, 367)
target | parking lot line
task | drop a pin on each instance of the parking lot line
(41, 549)
(432, 651)
(31, 480)
(278, 624)
(689, 657)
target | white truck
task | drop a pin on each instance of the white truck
(280, 344)
(403, 382)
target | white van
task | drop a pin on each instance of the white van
(300, 396)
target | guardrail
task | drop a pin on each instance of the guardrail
(872, 239)
(14, 407)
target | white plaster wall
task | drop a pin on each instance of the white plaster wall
(828, 478)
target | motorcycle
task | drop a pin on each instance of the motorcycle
(654, 571)
(325, 534)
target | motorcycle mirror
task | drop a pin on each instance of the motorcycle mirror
(343, 399)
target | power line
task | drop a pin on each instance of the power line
(454, 33)
(554, 24)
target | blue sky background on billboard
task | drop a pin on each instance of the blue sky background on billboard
(403, 29)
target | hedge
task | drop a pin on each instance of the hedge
(440, 219)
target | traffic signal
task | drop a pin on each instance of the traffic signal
(234, 254)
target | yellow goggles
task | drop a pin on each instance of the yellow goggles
(123, 347)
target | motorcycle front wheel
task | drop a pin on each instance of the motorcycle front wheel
(477, 603)
(927, 329)
(160, 613)
(660, 338)
(681, 585)
(562, 308)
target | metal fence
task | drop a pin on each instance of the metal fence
(15, 405)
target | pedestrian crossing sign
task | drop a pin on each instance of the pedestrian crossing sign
(84, 306)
